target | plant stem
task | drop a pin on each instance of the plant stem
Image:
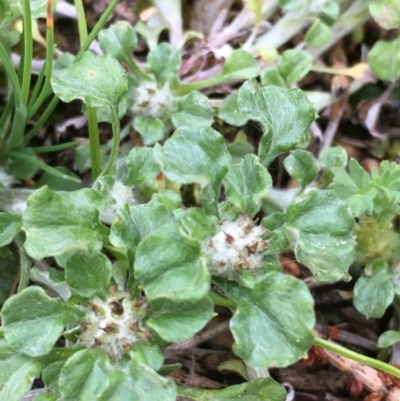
(97, 28)
(48, 66)
(116, 129)
(365, 360)
(221, 301)
(94, 138)
(28, 51)
(82, 26)
(25, 265)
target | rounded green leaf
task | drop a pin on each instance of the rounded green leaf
(151, 130)
(119, 40)
(388, 338)
(134, 224)
(57, 222)
(320, 229)
(384, 59)
(294, 65)
(302, 166)
(17, 373)
(87, 275)
(169, 266)
(273, 323)
(240, 65)
(333, 157)
(330, 11)
(228, 110)
(318, 35)
(271, 76)
(97, 81)
(373, 294)
(141, 166)
(286, 115)
(196, 223)
(174, 321)
(33, 322)
(138, 382)
(10, 225)
(84, 376)
(246, 184)
(164, 62)
(194, 109)
(193, 154)
(386, 13)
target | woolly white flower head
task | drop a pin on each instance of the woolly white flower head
(152, 101)
(235, 247)
(115, 324)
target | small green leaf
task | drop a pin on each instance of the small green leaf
(228, 110)
(265, 389)
(285, 114)
(164, 62)
(386, 13)
(151, 130)
(134, 224)
(193, 154)
(194, 109)
(240, 149)
(17, 373)
(87, 275)
(294, 65)
(318, 35)
(119, 40)
(320, 229)
(330, 11)
(271, 76)
(141, 166)
(354, 188)
(240, 65)
(33, 322)
(302, 166)
(57, 222)
(84, 376)
(149, 354)
(246, 184)
(274, 330)
(175, 321)
(138, 382)
(373, 294)
(388, 338)
(10, 225)
(333, 157)
(97, 81)
(384, 59)
(196, 223)
(169, 266)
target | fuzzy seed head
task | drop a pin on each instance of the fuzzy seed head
(235, 247)
(114, 325)
(151, 101)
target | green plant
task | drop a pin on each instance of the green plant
(117, 314)
(127, 268)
